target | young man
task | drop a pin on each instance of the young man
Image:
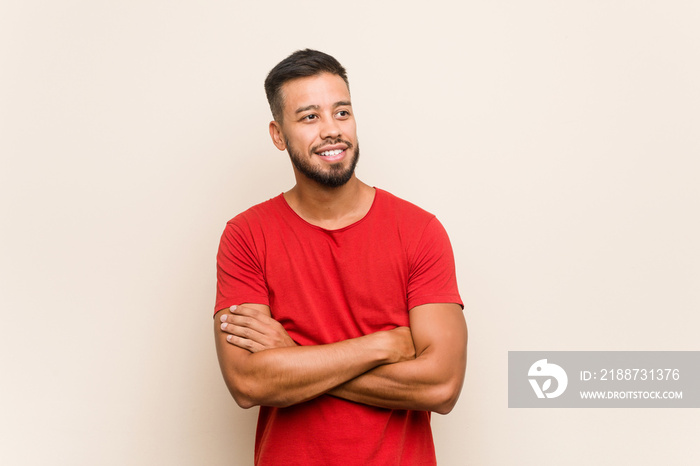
(337, 304)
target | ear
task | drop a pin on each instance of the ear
(277, 136)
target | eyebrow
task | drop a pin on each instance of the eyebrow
(308, 107)
(316, 107)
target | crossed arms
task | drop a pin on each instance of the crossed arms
(421, 368)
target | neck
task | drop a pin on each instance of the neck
(330, 208)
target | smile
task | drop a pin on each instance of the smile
(330, 153)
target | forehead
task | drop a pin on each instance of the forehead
(322, 90)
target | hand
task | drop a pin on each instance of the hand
(254, 330)
(401, 344)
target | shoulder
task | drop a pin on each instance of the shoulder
(389, 202)
(415, 225)
(260, 211)
(254, 224)
(258, 215)
(407, 216)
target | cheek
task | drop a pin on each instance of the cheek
(300, 140)
(349, 129)
(309, 139)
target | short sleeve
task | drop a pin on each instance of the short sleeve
(432, 277)
(240, 276)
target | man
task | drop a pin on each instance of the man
(337, 304)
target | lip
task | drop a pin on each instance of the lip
(342, 147)
(332, 158)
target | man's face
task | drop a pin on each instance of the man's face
(318, 129)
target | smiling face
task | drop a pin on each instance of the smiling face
(318, 129)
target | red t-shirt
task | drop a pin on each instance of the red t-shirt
(325, 286)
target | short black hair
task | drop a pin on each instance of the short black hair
(300, 64)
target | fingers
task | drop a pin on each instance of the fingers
(243, 332)
(241, 327)
(253, 330)
(254, 321)
(245, 343)
(247, 311)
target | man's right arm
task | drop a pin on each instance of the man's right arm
(284, 376)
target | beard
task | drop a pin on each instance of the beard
(336, 175)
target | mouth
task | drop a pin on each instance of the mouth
(332, 153)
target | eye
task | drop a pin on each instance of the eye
(309, 117)
(343, 114)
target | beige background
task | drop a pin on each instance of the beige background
(557, 141)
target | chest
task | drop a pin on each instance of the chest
(326, 287)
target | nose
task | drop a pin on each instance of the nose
(330, 129)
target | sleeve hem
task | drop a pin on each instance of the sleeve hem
(432, 299)
(223, 304)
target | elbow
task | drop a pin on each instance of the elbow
(245, 403)
(445, 406)
(445, 397)
(249, 393)
(448, 391)
(241, 393)
(244, 389)
(242, 400)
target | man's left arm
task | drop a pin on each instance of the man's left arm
(433, 380)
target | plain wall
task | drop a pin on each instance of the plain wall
(556, 141)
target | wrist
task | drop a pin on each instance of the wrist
(389, 346)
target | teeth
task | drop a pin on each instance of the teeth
(327, 153)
